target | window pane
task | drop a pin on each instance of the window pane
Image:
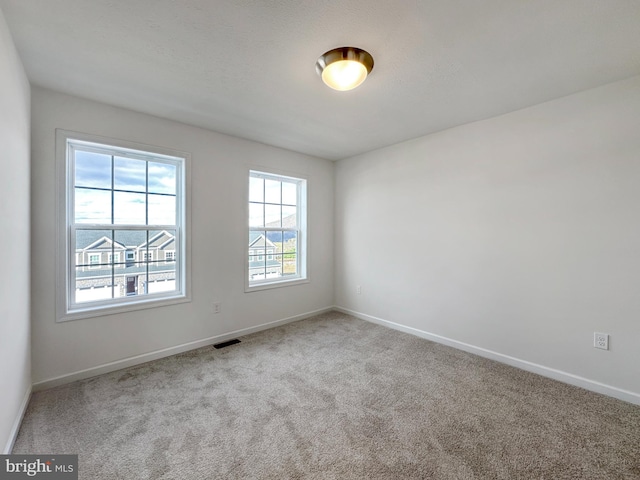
(130, 174)
(91, 244)
(273, 258)
(92, 206)
(162, 209)
(256, 215)
(162, 269)
(93, 265)
(290, 252)
(257, 259)
(129, 208)
(92, 170)
(289, 264)
(275, 239)
(148, 251)
(289, 217)
(289, 193)
(272, 191)
(256, 189)
(162, 178)
(160, 243)
(272, 215)
(129, 241)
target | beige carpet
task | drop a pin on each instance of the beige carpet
(333, 397)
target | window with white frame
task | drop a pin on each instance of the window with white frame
(94, 261)
(277, 230)
(119, 199)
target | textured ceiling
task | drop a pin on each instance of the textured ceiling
(246, 67)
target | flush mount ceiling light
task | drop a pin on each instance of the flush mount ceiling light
(344, 68)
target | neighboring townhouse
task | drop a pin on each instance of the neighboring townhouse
(264, 257)
(119, 263)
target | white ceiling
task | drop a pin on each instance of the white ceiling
(246, 67)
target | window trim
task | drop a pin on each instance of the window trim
(65, 310)
(303, 238)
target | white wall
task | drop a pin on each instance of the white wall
(15, 367)
(518, 234)
(219, 170)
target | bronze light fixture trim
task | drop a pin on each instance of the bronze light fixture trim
(344, 68)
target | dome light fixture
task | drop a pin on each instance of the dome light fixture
(344, 68)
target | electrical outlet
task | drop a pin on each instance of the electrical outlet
(601, 340)
(217, 308)
(359, 290)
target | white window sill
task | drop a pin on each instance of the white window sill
(103, 310)
(276, 284)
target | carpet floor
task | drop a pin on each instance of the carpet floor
(332, 397)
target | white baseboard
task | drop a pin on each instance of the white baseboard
(18, 421)
(559, 375)
(167, 352)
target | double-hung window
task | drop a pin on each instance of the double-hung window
(277, 250)
(119, 199)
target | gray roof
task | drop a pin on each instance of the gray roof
(130, 239)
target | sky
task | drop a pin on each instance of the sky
(93, 172)
(270, 201)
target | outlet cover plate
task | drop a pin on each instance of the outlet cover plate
(601, 340)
